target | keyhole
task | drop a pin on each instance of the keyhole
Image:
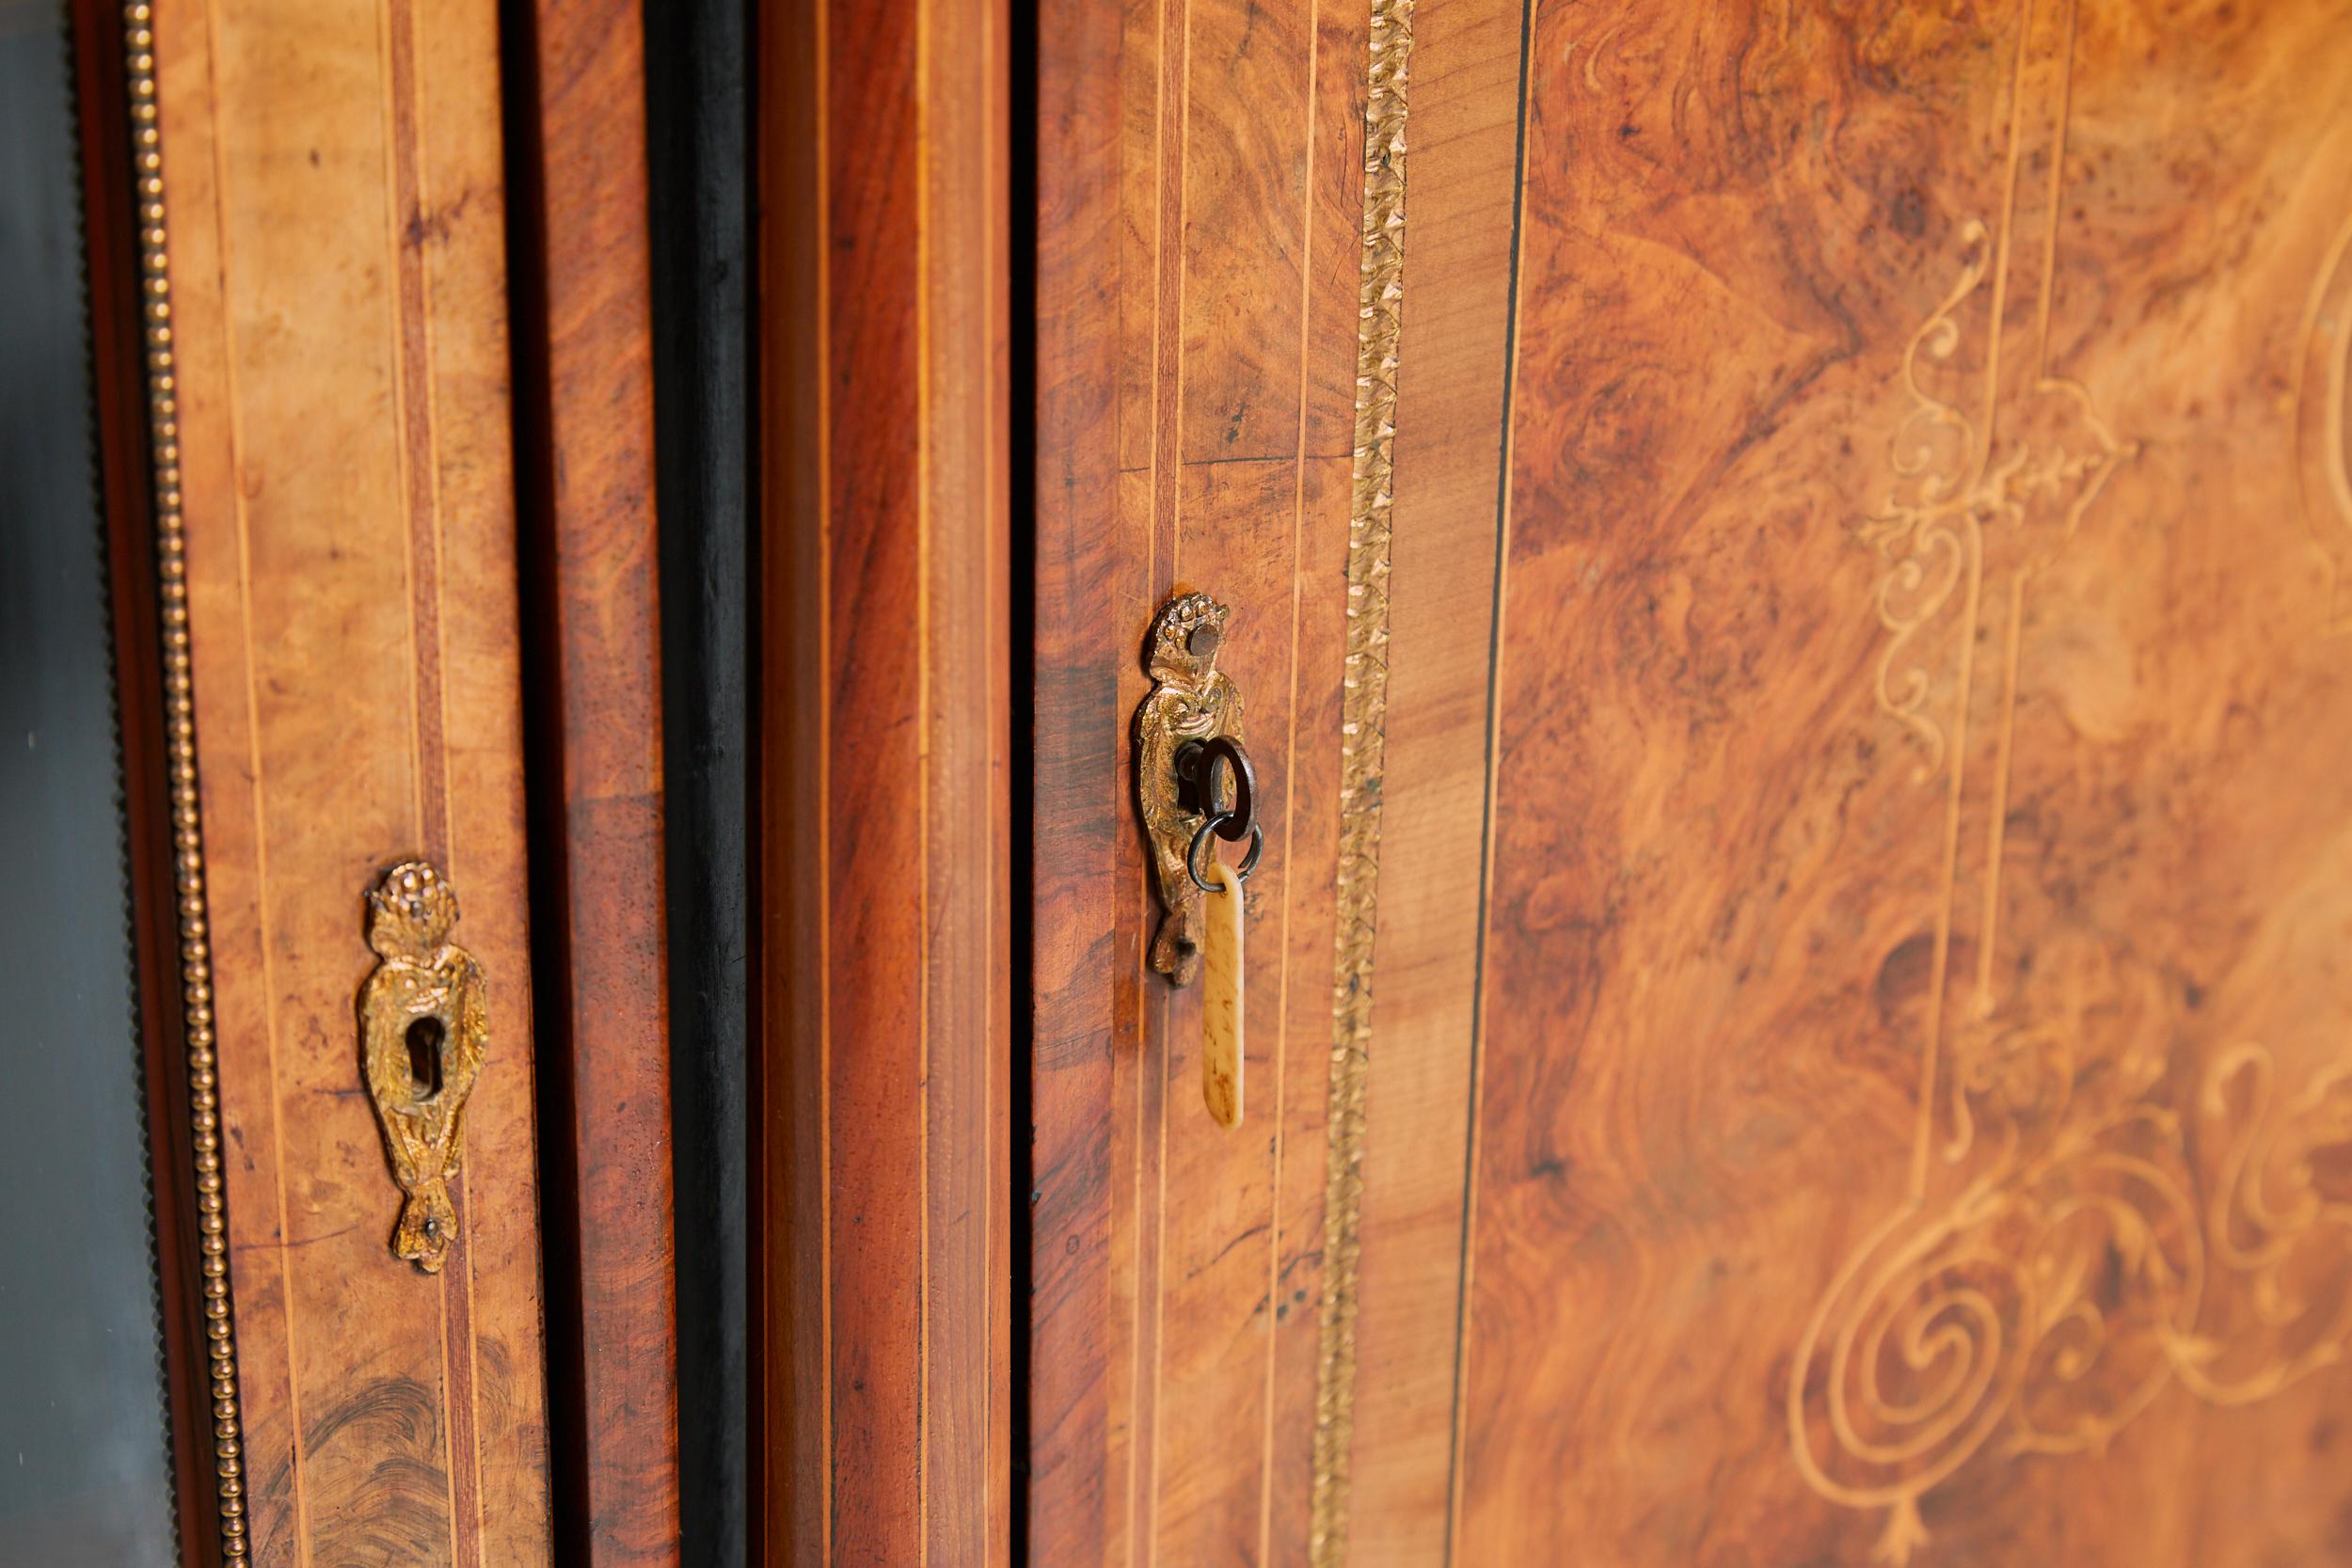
(425, 1056)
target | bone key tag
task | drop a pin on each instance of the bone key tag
(1221, 995)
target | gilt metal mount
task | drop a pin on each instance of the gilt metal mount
(1193, 779)
(423, 1031)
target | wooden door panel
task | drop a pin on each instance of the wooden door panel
(1839, 838)
(1195, 419)
(335, 256)
(1215, 456)
(1911, 1074)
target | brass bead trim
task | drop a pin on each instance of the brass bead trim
(187, 827)
(1363, 742)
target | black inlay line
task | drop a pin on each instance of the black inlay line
(1021, 621)
(1487, 827)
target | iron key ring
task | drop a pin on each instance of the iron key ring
(1212, 828)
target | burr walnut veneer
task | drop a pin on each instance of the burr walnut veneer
(336, 254)
(349, 561)
(1790, 561)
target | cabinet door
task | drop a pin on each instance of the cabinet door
(1787, 566)
(323, 220)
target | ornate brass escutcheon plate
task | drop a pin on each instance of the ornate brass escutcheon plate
(1194, 786)
(1192, 703)
(423, 1031)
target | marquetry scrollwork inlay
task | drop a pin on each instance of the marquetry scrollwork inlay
(2320, 417)
(2088, 1220)
(2039, 1304)
(1958, 490)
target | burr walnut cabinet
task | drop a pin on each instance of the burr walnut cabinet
(1176, 783)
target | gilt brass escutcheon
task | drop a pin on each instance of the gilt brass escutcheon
(1195, 786)
(423, 1031)
(1192, 704)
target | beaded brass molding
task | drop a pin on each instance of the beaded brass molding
(187, 826)
(1362, 746)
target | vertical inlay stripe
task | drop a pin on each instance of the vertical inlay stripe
(1471, 1141)
(1290, 789)
(1172, 126)
(420, 487)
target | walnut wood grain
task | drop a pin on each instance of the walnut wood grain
(1080, 952)
(1460, 204)
(1712, 320)
(881, 1312)
(1921, 798)
(586, 415)
(1199, 185)
(336, 200)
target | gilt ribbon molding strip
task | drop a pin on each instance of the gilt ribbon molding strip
(1380, 295)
